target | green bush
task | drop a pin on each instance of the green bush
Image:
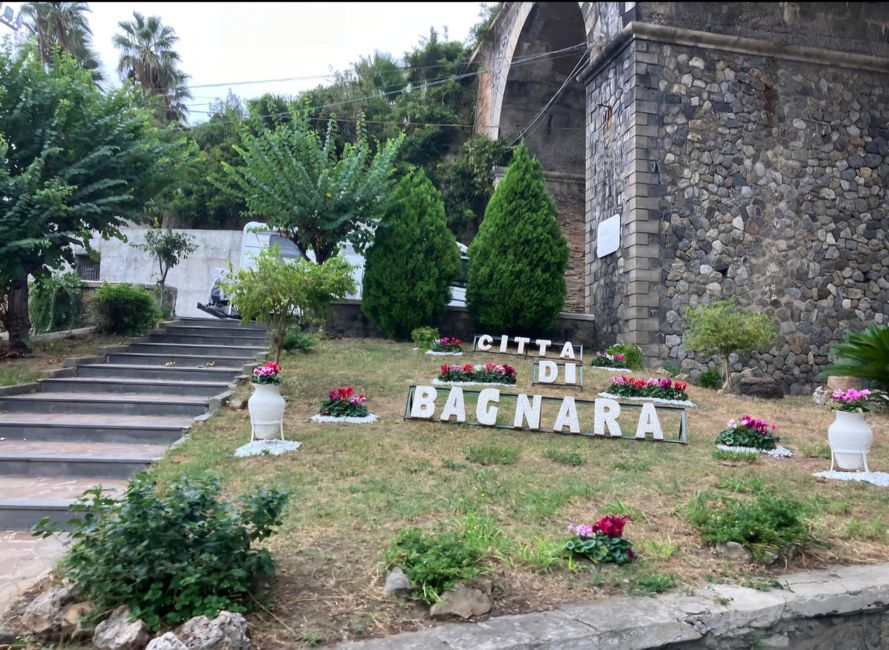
(296, 339)
(436, 562)
(124, 309)
(632, 354)
(413, 259)
(766, 524)
(863, 354)
(425, 337)
(709, 378)
(55, 302)
(517, 261)
(170, 556)
(724, 328)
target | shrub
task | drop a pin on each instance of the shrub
(517, 261)
(709, 378)
(413, 259)
(297, 340)
(124, 309)
(863, 354)
(765, 524)
(725, 328)
(424, 337)
(170, 556)
(55, 302)
(631, 353)
(436, 562)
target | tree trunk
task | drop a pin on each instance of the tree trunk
(727, 369)
(18, 323)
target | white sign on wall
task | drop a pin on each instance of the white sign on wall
(608, 236)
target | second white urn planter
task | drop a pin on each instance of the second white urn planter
(266, 407)
(850, 440)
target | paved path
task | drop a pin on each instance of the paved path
(23, 559)
(835, 609)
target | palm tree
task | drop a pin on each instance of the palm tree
(63, 26)
(147, 57)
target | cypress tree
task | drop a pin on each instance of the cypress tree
(517, 261)
(413, 259)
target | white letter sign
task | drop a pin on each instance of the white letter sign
(423, 405)
(484, 342)
(487, 415)
(548, 371)
(606, 413)
(454, 406)
(567, 351)
(649, 423)
(567, 416)
(527, 411)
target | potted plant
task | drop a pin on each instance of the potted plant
(849, 436)
(266, 406)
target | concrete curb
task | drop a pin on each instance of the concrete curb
(832, 606)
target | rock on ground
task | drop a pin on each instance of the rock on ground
(733, 551)
(397, 583)
(462, 602)
(168, 641)
(118, 633)
(228, 631)
(761, 387)
(43, 616)
(72, 621)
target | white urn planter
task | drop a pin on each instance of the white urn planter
(266, 407)
(850, 440)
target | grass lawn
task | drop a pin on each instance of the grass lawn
(50, 354)
(355, 486)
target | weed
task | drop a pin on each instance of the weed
(750, 484)
(659, 548)
(631, 465)
(313, 638)
(620, 508)
(648, 584)
(722, 600)
(492, 455)
(564, 457)
(710, 378)
(736, 456)
(873, 531)
(452, 465)
(816, 450)
(541, 555)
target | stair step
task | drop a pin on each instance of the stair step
(208, 339)
(136, 371)
(25, 500)
(90, 427)
(76, 459)
(184, 360)
(133, 385)
(218, 322)
(112, 403)
(204, 330)
(242, 351)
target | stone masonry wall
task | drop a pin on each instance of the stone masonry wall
(774, 177)
(610, 109)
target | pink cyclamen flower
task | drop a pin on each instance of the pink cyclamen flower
(584, 530)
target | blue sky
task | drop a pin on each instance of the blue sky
(222, 43)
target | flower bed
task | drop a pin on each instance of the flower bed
(606, 361)
(749, 432)
(662, 389)
(603, 541)
(489, 373)
(344, 403)
(448, 345)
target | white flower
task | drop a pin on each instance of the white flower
(732, 424)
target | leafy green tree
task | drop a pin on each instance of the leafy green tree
(413, 259)
(72, 161)
(724, 328)
(282, 293)
(517, 262)
(863, 354)
(63, 26)
(147, 57)
(168, 248)
(295, 180)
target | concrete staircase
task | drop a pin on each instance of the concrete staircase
(103, 419)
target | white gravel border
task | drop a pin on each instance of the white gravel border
(606, 368)
(777, 452)
(880, 479)
(266, 448)
(367, 419)
(444, 354)
(656, 400)
(439, 382)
